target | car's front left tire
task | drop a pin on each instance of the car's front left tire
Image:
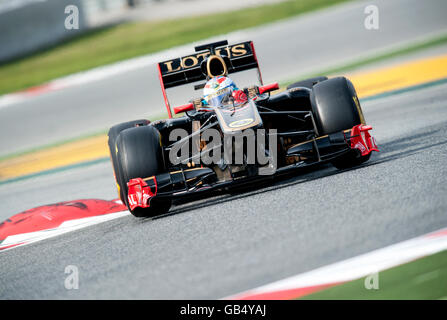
(336, 108)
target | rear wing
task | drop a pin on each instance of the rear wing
(188, 69)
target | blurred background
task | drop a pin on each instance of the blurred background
(29, 25)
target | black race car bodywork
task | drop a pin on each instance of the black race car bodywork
(313, 121)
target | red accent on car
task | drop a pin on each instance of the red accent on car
(184, 108)
(140, 193)
(268, 87)
(257, 62)
(362, 140)
(163, 89)
(239, 96)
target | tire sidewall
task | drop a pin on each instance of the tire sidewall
(334, 106)
(140, 155)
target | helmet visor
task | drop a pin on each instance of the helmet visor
(218, 98)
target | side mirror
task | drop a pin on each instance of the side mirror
(184, 108)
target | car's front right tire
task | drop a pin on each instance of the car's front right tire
(140, 155)
(112, 136)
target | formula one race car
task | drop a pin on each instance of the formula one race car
(232, 136)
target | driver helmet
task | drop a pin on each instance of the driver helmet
(217, 90)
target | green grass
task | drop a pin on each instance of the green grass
(130, 40)
(419, 46)
(423, 279)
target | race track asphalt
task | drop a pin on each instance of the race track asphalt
(230, 243)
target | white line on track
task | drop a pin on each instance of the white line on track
(354, 268)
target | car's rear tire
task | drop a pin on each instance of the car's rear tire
(140, 155)
(307, 83)
(336, 107)
(113, 135)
